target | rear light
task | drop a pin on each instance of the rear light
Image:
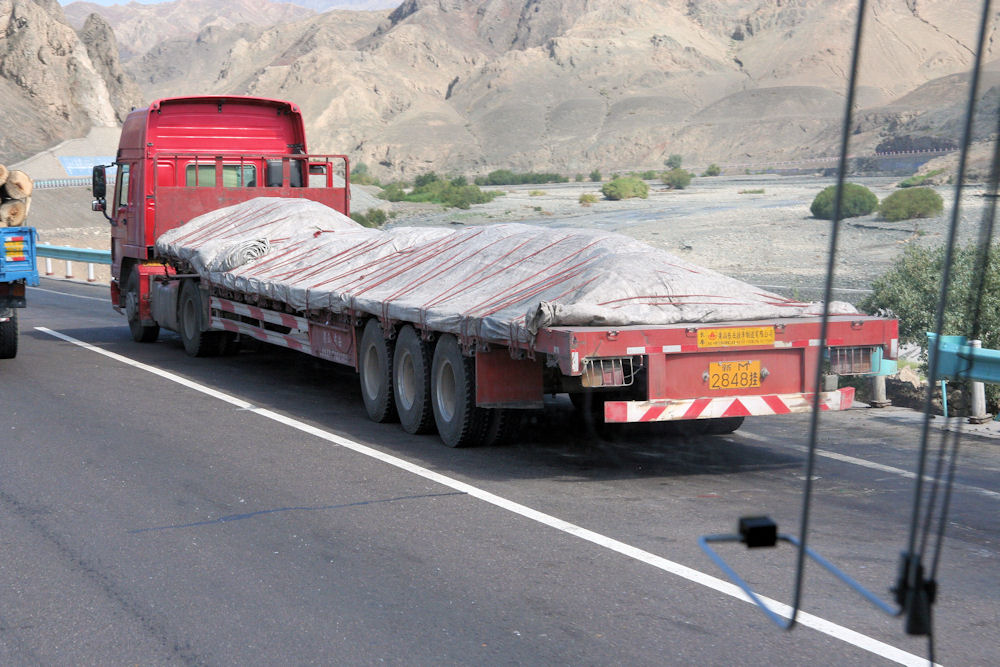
(608, 372)
(13, 249)
(852, 360)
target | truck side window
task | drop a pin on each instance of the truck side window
(121, 186)
(199, 175)
(233, 176)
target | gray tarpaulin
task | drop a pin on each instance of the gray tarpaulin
(499, 282)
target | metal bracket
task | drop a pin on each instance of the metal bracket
(761, 531)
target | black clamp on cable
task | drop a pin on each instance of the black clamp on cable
(914, 594)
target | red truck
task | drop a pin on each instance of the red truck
(183, 157)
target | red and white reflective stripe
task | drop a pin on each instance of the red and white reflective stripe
(293, 342)
(727, 406)
(272, 316)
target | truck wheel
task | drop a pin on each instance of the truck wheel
(140, 333)
(411, 375)
(190, 316)
(502, 427)
(375, 369)
(8, 337)
(453, 396)
(723, 425)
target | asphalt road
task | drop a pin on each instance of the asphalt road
(157, 509)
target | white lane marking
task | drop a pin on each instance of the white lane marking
(107, 300)
(844, 458)
(804, 618)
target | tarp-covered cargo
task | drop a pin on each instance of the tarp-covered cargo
(500, 282)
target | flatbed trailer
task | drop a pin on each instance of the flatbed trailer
(707, 376)
(186, 160)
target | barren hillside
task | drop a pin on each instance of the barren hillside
(570, 85)
(54, 83)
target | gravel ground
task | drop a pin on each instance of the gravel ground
(756, 228)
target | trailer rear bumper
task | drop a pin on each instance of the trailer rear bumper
(618, 412)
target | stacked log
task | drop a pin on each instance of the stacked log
(15, 196)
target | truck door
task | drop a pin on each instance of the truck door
(118, 207)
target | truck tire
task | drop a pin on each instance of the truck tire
(502, 427)
(375, 369)
(191, 322)
(411, 375)
(453, 396)
(8, 337)
(141, 333)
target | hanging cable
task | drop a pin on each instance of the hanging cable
(913, 591)
(762, 531)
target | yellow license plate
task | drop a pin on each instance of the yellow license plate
(733, 374)
(736, 337)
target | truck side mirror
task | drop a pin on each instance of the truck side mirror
(99, 182)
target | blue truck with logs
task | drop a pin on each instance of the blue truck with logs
(18, 269)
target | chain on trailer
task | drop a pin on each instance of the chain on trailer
(915, 588)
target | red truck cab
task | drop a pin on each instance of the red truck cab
(184, 156)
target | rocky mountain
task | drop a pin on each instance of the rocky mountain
(141, 27)
(355, 5)
(572, 84)
(569, 85)
(55, 84)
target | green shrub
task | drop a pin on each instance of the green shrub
(508, 177)
(625, 188)
(920, 179)
(754, 191)
(674, 161)
(712, 170)
(429, 188)
(647, 175)
(375, 217)
(911, 287)
(677, 178)
(595, 176)
(394, 191)
(856, 200)
(361, 176)
(536, 193)
(588, 199)
(911, 203)
(579, 178)
(425, 179)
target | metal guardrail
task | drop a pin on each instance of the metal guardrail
(83, 181)
(67, 253)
